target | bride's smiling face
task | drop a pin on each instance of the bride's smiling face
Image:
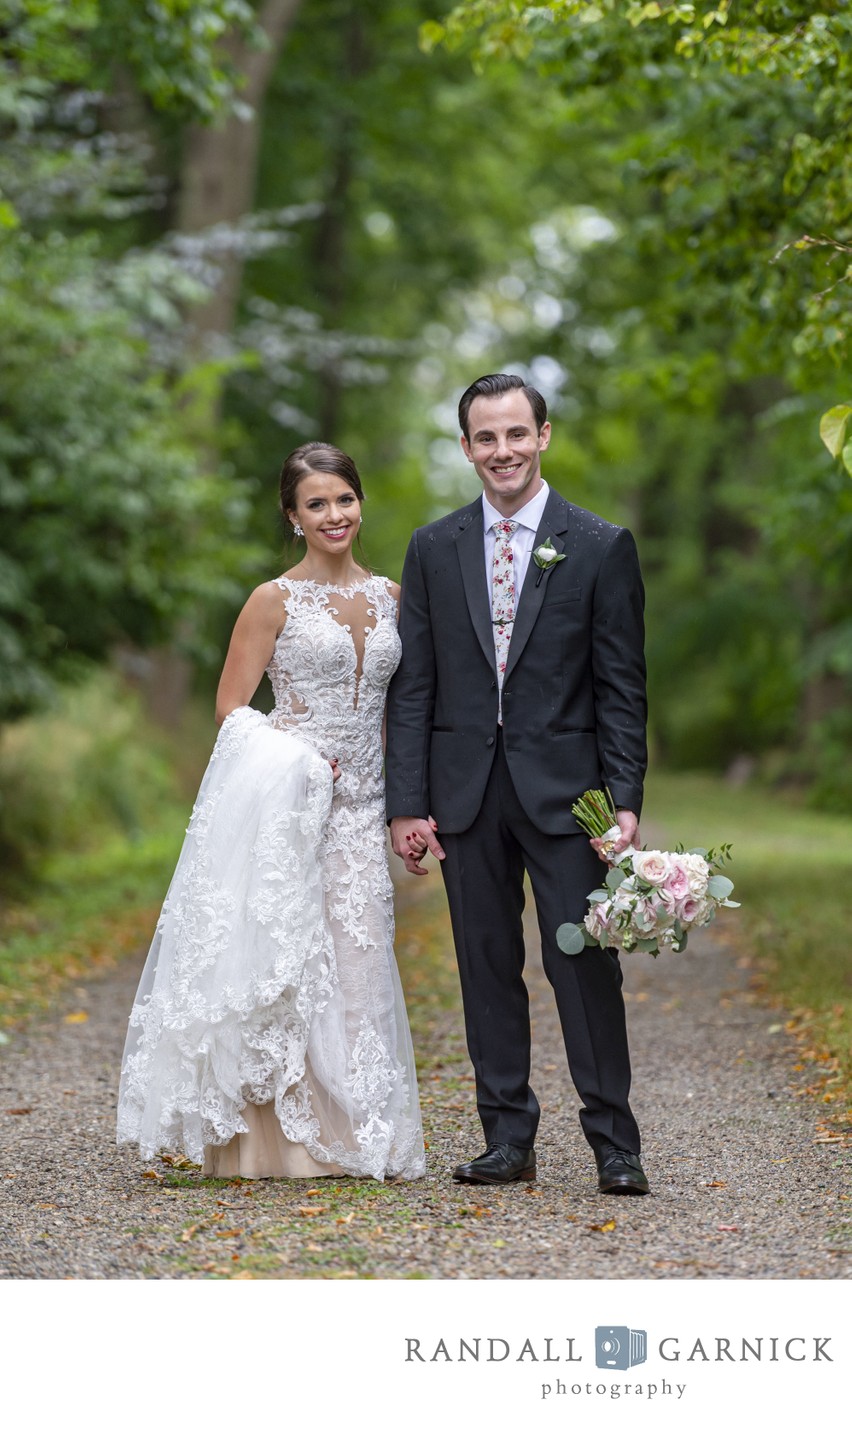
(328, 511)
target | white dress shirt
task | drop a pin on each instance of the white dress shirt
(523, 539)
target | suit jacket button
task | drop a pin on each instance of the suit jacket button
(489, 743)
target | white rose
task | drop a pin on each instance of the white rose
(651, 866)
(545, 553)
(698, 871)
(705, 912)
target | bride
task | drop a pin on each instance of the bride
(269, 1036)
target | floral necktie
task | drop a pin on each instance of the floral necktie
(502, 593)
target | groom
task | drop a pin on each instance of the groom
(520, 687)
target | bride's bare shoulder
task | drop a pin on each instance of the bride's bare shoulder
(264, 607)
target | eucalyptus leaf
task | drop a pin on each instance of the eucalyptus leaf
(614, 879)
(719, 886)
(570, 938)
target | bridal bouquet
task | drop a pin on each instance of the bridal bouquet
(651, 899)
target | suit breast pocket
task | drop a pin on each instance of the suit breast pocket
(566, 596)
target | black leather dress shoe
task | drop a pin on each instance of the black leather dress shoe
(620, 1172)
(500, 1163)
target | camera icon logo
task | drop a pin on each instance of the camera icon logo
(620, 1347)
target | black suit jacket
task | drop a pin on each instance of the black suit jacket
(574, 704)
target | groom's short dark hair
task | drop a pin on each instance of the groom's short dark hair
(490, 384)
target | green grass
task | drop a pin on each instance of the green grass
(88, 910)
(792, 870)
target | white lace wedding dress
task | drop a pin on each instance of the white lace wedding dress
(269, 1035)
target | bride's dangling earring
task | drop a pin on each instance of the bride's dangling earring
(298, 531)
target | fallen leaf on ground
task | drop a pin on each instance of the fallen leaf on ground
(714, 1185)
(310, 1211)
(230, 1232)
(727, 1227)
(608, 1226)
(346, 1219)
(190, 1231)
(237, 1275)
(16, 1112)
(80, 1017)
(312, 1192)
(312, 1247)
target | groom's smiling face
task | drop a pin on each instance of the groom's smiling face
(505, 448)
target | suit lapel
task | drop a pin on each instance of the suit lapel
(554, 523)
(470, 546)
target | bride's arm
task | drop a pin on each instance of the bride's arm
(250, 649)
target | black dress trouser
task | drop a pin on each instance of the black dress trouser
(484, 878)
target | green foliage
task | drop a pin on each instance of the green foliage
(115, 526)
(110, 529)
(717, 91)
(172, 49)
(87, 770)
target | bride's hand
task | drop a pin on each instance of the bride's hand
(411, 837)
(335, 769)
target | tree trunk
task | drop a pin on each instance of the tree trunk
(329, 248)
(216, 186)
(219, 168)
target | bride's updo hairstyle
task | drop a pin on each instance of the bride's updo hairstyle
(316, 458)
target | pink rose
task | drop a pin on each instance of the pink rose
(678, 880)
(689, 908)
(595, 920)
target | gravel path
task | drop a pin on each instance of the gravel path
(744, 1182)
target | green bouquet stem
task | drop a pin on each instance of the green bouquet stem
(595, 812)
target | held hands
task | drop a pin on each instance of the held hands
(411, 837)
(629, 825)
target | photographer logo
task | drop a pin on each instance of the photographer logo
(617, 1348)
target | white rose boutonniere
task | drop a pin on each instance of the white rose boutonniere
(546, 557)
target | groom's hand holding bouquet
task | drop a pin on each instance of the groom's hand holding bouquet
(651, 899)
